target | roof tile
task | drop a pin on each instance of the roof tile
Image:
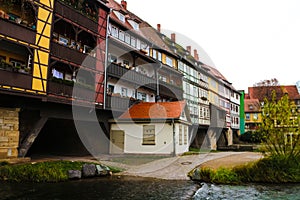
(152, 110)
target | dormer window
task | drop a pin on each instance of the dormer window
(120, 16)
(250, 107)
(134, 24)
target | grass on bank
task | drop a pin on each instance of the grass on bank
(196, 151)
(266, 170)
(50, 171)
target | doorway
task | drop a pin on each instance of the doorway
(117, 142)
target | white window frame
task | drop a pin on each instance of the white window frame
(148, 135)
(169, 61)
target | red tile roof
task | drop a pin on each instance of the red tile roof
(265, 91)
(252, 105)
(115, 6)
(152, 110)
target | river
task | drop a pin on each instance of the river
(141, 188)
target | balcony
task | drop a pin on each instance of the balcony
(17, 31)
(118, 103)
(72, 55)
(79, 93)
(75, 16)
(170, 90)
(15, 79)
(131, 76)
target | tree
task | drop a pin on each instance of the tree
(280, 127)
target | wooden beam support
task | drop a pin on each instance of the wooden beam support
(30, 138)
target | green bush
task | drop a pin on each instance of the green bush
(273, 169)
(224, 175)
(252, 137)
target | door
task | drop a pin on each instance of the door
(116, 142)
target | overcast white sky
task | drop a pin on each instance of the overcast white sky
(247, 40)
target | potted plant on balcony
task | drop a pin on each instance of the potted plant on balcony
(16, 68)
(2, 64)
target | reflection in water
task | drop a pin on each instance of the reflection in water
(141, 188)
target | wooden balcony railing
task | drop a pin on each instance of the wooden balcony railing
(75, 16)
(17, 31)
(79, 93)
(132, 76)
(72, 55)
(170, 90)
(118, 103)
(15, 79)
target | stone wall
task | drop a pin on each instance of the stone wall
(9, 132)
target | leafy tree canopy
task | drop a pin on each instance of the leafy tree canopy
(280, 127)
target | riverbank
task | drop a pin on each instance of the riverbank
(52, 171)
(159, 167)
(266, 170)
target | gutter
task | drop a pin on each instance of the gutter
(106, 60)
(174, 139)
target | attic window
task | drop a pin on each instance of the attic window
(251, 107)
(120, 16)
(134, 24)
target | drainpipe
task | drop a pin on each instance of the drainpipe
(106, 60)
(174, 139)
(157, 82)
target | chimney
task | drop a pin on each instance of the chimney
(173, 37)
(189, 49)
(158, 28)
(124, 4)
(196, 56)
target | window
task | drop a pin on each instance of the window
(255, 116)
(201, 112)
(169, 61)
(185, 134)
(159, 56)
(154, 54)
(133, 41)
(124, 92)
(134, 25)
(120, 16)
(148, 134)
(247, 116)
(110, 89)
(141, 96)
(114, 31)
(138, 44)
(143, 45)
(127, 38)
(180, 134)
(121, 35)
(180, 66)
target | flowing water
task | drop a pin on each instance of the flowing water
(142, 188)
